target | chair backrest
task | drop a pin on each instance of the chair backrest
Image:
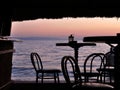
(109, 59)
(36, 61)
(94, 61)
(71, 71)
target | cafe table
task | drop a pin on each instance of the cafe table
(75, 45)
(110, 40)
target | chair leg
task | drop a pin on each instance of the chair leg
(104, 77)
(42, 78)
(55, 77)
(37, 78)
(97, 78)
(110, 77)
(58, 77)
(100, 78)
(86, 78)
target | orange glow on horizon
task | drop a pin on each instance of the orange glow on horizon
(80, 27)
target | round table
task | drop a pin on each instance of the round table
(75, 46)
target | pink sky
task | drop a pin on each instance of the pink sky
(79, 27)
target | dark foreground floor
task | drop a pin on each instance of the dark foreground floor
(24, 85)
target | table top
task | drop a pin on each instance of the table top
(72, 44)
(102, 39)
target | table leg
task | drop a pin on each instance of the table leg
(76, 54)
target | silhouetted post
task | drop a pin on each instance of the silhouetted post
(6, 26)
(117, 65)
(6, 53)
(75, 46)
(5, 22)
(76, 54)
(6, 49)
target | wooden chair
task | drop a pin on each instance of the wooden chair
(72, 75)
(42, 73)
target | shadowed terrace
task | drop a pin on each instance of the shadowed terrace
(58, 9)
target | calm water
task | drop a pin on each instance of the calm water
(51, 55)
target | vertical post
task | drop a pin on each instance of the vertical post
(5, 21)
(6, 48)
(6, 53)
(117, 65)
(76, 54)
(6, 26)
(74, 45)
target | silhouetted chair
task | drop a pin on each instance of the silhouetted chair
(42, 73)
(72, 75)
(108, 70)
(91, 64)
(109, 59)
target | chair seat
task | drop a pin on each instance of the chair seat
(51, 74)
(50, 71)
(90, 74)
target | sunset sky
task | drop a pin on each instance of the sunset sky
(79, 27)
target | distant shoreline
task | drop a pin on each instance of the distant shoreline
(42, 38)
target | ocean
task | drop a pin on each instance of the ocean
(51, 55)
